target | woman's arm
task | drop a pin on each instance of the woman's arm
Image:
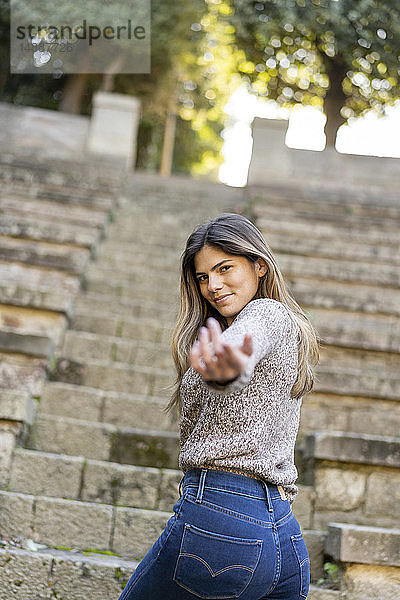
(226, 360)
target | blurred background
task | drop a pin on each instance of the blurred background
(331, 67)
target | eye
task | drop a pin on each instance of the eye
(226, 267)
(201, 277)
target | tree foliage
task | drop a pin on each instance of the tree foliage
(301, 51)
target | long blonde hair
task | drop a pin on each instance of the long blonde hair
(234, 234)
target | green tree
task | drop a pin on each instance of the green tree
(341, 55)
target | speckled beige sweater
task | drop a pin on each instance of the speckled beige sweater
(250, 425)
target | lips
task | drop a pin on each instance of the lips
(221, 298)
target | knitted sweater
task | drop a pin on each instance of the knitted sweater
(250, 425)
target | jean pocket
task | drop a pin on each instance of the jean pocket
(301, 551)
(215, 566)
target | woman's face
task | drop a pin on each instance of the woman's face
(228, 282)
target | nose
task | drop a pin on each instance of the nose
(214, 282)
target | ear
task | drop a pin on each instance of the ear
(260, 267)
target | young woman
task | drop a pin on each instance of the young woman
(244, 353)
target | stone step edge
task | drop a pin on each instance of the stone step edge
(110, 428)
(349, 447)
(62, 573)
(74, 387)
(114, 564)
(363, 544)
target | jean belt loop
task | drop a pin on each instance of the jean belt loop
(180, 486)
(202, 482)
(268, 497)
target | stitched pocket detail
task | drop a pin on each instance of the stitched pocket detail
(215, 566)
(303, 558)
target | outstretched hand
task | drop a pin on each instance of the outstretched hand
(220, 362)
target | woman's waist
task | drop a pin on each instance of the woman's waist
(231, 480)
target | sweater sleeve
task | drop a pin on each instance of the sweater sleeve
(269, 323)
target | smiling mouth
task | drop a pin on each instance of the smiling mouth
(222, 298)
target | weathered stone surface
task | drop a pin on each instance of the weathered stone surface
(7, 444)
(73, 524)
(315, 541)
(94, 577)
(131, 410)
(63, 435)
(17, 406)
(24, 575)
(118, 377)
(16, 514)
(169, 489)
(44, 254)
(136, 530)
(145, 448)
(370, 581)
(65, 575)
(34, 345)
(48, 230)
(340, 380)
(67, 211)
(69, 400)
(361, 544)
(356, 448)
(136, 309)
(45, 474)
(121, 484)
(325, 231)
(347, 296)
(22, 373)
(337, 489)
(317, 593)
(383, 494)
(29, 321)
(303, 506)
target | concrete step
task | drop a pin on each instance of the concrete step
(102, 441)
(326, 231)
(350, 250)
(356, 330)
(67, 211)
(73, 524)
(366, 298)
(369, 557)
(37, 287)
(357, 414)
(21, 372)
(86, 178)
(50, 573)
(44, 254)
(85, 304)
(346, 196)
(49, 230)
(355, 478)
(76, 478)
(112, 376)
(385, 218)
(115, 408)
(87, 346)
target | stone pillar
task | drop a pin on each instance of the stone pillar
(269, 151)
(114, 127)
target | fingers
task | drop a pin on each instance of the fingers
(247, 346)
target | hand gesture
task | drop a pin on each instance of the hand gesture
(223, 362)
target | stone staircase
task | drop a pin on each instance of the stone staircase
(91, 477)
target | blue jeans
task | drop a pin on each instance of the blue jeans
(230, 536)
